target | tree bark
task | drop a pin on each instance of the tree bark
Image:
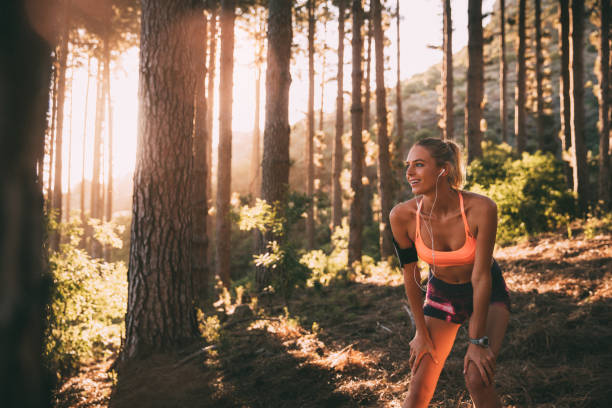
(199, 244)
(109, 122)
(399, 115)
(565, 133)
(368, 78)
(356, 212)
(275, 163)
(338, 157)
(579, 165)
(61, 99)
(448, 125)
(385, 186)
(519, 107)
(475, 82)
(85, 142)
(224, 163)
(160, 314)
(96, 199)
(25, 67)
(255, 186)
(311, 126)
(603, 181)
(210, 98)
(503, 72)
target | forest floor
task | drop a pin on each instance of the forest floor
(347, 345)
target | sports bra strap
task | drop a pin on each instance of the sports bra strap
(465, 223)
(418, 220)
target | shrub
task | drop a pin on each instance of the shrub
(84, 317)
(530, 192)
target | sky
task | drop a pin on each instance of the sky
(420, 26)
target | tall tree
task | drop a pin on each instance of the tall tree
(475, 82)
(399, 116)
(311, 125)
(385, 186)
(275, 163)
(543, 142)
(603, 184)
(260, 32)
(368, 75)
(503, 71)
(579, 165)
(160, 312)
(25, 65)
(85, 140)
(520, 97)
(338, 153)
(224, 163)
(210, 98)
(200, 169)
(356, 211)
(447, 123)
(96, 193)
(109, 112)
(565, 134)
(61, 96)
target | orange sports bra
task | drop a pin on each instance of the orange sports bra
(462, 256)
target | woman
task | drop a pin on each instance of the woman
(454, 232)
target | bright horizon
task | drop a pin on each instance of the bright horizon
(422, 22)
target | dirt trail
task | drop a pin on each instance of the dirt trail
(348, 346)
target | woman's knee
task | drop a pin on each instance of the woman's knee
(474, 381)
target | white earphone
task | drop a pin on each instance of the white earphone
(442, 172)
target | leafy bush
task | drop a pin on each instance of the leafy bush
(84, 318)
(530, 192)
(282, 254)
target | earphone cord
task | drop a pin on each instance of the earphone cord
(430, 230)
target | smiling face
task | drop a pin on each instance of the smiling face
(422, 170)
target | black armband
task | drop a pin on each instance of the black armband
(405, 256)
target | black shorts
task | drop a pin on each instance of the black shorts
(454, 302)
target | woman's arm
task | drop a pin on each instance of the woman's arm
(486, 224)
(421, 344)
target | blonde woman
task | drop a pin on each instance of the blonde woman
(454, 232)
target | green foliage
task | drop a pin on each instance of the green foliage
(84, 318)
(530, 192)
(281, 257)
(594, 225)
(327, 269)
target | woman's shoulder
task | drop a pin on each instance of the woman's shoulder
(403, 211)
(479, 202)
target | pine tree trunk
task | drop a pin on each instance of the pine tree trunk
(519, 107)
(543, 134)
(61, 99)
(503, 72)
(385, 179)
(311, 126)
(275, 163)
(53, 128)
(577, 103)
(475, 82)
(199, 244)
(109, 110)
(368, 78)
(69, 170)
(160, 314)
(224, 163)
(338, 157)
(85, 142)
(448, 125)
(25, 67)
(97, 149)
(255, 186)
(210, 99)
(603, 184)
(356, 212)
(565, 133)
(399, 115)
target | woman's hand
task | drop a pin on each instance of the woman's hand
(420, 345)
(483, 359)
